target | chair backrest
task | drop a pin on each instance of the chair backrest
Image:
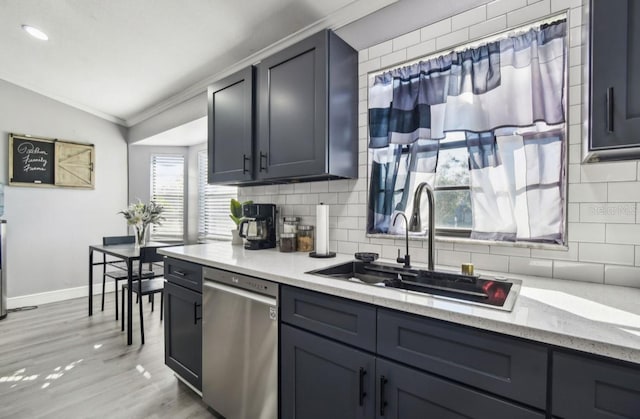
(149, 255)
(112, 240)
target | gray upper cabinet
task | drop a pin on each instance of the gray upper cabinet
(307, 111)
(615, 80)
(231, 116)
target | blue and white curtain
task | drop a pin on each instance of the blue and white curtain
(508, 96)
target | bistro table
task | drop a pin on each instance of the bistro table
(127, 253)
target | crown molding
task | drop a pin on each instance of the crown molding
(71, 103)
(341, 17)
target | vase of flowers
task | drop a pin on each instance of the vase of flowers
(140, 216)
(235, 208)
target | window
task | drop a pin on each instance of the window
(167, 189)
(213, 205)
(485, 127)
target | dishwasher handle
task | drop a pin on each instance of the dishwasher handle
(240, 292)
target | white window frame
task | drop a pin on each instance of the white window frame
(214, 222)
(172, 227)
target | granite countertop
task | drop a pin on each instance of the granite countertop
(594, 318)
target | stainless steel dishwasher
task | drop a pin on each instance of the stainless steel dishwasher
(240, 345)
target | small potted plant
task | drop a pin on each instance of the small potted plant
(235, 208)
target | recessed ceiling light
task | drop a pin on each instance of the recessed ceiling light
(35, 32)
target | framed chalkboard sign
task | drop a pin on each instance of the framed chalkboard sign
(50, 162)
(31, 160)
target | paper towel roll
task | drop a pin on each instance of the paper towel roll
(322, 230)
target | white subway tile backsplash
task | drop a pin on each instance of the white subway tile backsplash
(452, 258)
(373, 248)
(434, 30)
(573, 213)
(348, 248)
(381, 49)
(526, 14)
(452, 39)
(319, 187)
(575, 16)
(500, 7)
(294, 199)
(487, 262)
(603, 212)
(574, 153)
(510, 251)
(328, 198)
(575, 55)
(609, 172)
(587, 272)
(339, 186)
(356, 236)
(527, 266)
(623, 233)
(406, 40)
(575, 134)
(624, 192)
(421, 49)
(622, 275)
(468, 18)
(571, 253)
(474, 248)
(573, 173)
(369, 66)
(363, 55)
(618, 254)
(575, 76)
(558, 5)
(588, 192)
(488, 27)
(394, 58)
(339, 234)
(586, 232)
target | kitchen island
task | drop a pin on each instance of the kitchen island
(562, 340)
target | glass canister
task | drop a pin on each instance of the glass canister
(288, 242)
(290, 224)
(305, 238)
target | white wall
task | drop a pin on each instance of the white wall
(49, 229)
(603, 201)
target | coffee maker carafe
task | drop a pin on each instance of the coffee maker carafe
(258, 226)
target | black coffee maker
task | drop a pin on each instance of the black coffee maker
(259, 226)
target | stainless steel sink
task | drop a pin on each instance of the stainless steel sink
(496, 293)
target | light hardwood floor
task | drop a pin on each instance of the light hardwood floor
(57, 362)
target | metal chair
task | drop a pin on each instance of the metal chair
(142, 287)
(121, 273)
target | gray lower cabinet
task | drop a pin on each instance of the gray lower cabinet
(323, 379)
(407, 393)
(587, 388)
(615, 80)
(330, 369)
(182, 320)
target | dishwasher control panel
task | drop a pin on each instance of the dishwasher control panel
(246, 282)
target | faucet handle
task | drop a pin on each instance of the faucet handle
(406, 260)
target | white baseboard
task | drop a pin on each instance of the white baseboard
(54, 296)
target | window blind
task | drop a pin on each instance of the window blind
(167, 189)
(213, 205)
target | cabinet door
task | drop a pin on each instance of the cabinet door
(231, 106)
(183, 332)
(615, 74)
(324, 379)
(584, 388)
(494, 363)
(292, 111)
(405, 393)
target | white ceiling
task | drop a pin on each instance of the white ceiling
(185, 135)
(119, 58)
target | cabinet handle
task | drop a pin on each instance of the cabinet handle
(263, 156)
(610, 109)
(244, 163)
(363, 393)
(179, 273)
(383, 402)
(195, 313)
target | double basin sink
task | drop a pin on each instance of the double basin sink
(497, 293)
